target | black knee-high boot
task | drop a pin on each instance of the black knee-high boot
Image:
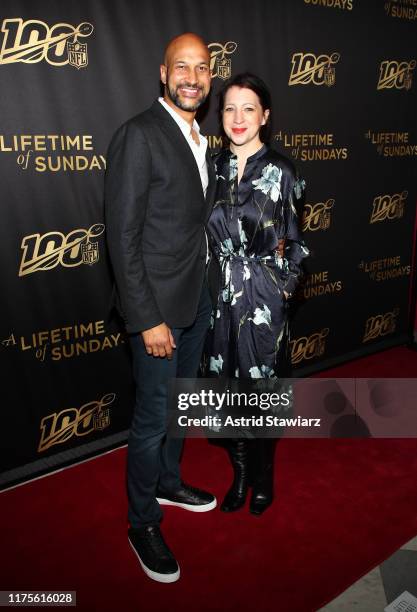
(236, 495)
(262, 474)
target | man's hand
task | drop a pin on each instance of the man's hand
(159, 341)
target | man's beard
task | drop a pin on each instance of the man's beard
(174, 96)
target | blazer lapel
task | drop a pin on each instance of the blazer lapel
(173, 132)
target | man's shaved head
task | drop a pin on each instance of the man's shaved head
(185, 73)
(183, 41)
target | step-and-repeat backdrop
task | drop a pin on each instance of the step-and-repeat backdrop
(342, 75)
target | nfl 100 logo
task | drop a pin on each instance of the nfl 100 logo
(77, 54)
(33, 41)
(396, 75)
(90, 253)
(220, 63)
(308, 68)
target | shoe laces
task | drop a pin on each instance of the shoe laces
(191, 488)
(156, 541)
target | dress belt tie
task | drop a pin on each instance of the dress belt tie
(225, 259)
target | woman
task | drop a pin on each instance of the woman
(253, 218)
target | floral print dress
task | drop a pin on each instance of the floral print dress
(248, 336)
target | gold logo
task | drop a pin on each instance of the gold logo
(220, 64)
(317, 284)
(308, 347)
(396, 8)
(215, 142)
(316, 146)
(66, 342)
(90, 253)
(57, 152)
(396, 74)
(10, 341)
(316, 69)
(33, 41)
(380, 325)
(54, 248)
(77, 54)
(392, 144)
(335, 4)
(317, 216)
(59, 427)
(388, 207)
(385, 268)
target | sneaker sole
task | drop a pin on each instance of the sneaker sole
(166, 578)
(201, 508)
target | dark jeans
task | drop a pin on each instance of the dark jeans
(153, 457)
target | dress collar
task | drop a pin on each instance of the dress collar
(255, 156)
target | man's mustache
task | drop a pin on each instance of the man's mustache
(191, 86)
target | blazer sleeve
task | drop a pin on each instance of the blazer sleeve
(127, 183)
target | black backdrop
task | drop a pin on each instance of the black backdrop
(342, 75)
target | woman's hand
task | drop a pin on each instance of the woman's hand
(281, 247)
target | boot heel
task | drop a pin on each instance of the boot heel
(236, 496)
(263, 485)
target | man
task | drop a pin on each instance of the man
(159, 189)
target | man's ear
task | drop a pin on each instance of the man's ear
(163, 72)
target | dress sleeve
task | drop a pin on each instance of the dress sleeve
(295, 249)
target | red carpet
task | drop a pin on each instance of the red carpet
(342, 507)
